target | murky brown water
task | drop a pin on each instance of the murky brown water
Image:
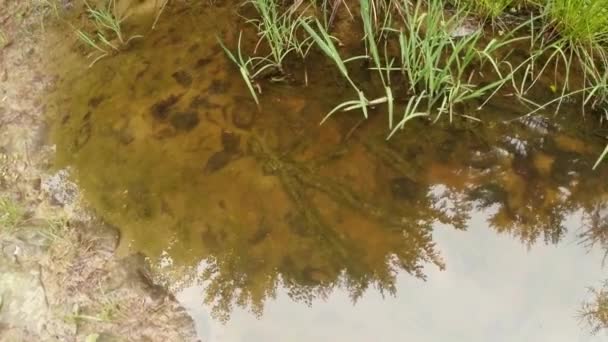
(270, 227)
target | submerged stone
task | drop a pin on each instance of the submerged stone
(218, 161)
(202, 62)
(96, 101)
(217, 87)
(231, 141)
(201, 101)
(125, 136)
(243, 119)
(243, 114)
(183, 78)
(523, 166)
(185, 121)
(160, 110)
(84, 134)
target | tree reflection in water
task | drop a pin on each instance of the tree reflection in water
(527, 192)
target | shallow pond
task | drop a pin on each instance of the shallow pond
(270, 227)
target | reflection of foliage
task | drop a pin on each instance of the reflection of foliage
(246, 265)
(237, 280)
(319, 256)
(594, 312)
(245, 272)
(452, 207)
(529, 203)
(596, 227)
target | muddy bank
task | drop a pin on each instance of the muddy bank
(60, 276)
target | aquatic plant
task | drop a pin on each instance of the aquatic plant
(574, 33)
(109, 36)
(438, 66)
(279, 30)
(106, 18)
(568, 38)
(325, 42)
(159, 11)
(244, 65)
(382, 68)
(582, 29)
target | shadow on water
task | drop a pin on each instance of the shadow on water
(166, 144)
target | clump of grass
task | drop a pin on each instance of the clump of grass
(439, 67)
(486, 8)
(51, 6)
(3, 39)
(436, 66)
(109, 36)
(580, 22)
(572, 35)
(11, 214)
(280, 31)
(582, 27)
(569, 37)
(326, 43)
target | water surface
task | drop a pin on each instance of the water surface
(268, 226)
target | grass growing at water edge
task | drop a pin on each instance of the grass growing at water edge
(3, 39)
(438, 67)
(244, 66)
(417, 46)
(108, 27)
(485, 8)
(11, 214)
(280, 31)
(568, 37)
(325, 42)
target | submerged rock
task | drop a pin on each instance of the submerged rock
(59, 187)
(230, 150)
(218, 161)
(84, 134)
(217, 87)
(185, 121)
(201, 101)
(160, 110)
(183, 78)
(243, 115)
(539, 124)
(231, 141)
(96, 101)
(466, 29)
